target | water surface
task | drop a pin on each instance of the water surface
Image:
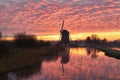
(73, 64)
(116, 49)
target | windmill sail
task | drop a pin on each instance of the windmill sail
(62, 25)
(62, 68)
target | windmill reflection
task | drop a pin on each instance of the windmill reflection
(65, 58)
(92, 52)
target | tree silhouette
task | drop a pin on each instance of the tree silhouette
(94, 39)
(104, 41)
(0, 35)
(88, 40)
(25, 40)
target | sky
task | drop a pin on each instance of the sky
(44, 17)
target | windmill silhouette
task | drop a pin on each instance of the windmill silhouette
(65, 36)
(65, 58)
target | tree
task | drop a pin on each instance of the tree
(25, 40)
(95, 38)
(104, 41)
(0, 35)
(88, 40)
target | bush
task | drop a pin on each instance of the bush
(3, 47)
(43, 43)
(25, 40)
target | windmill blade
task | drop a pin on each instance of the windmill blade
(62, 25)
(62, 68)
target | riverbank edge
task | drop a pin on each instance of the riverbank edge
(108, 51)
(23, 58)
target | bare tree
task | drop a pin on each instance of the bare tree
(0, 35)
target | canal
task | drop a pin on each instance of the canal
(73, 64)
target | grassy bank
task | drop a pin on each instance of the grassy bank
(17, 58)
(111, 53)
(108, 51)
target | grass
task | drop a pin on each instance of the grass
(108, 51)
(18, 58)
(111, 53)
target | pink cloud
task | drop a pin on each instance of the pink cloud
(45, 17)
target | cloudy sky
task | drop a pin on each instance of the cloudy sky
(44, 17)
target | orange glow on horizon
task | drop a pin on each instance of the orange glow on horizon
(8, 39)
(110, 36)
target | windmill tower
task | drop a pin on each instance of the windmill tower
(65, 36)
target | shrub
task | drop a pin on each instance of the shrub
(25, 40)
(3, 46)
(43, 43)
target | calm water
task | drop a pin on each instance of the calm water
(74, 64)
(116, 48)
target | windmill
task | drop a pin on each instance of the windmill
(65, 36)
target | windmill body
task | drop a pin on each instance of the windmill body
(65, 36)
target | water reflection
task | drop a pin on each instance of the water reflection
(23, 73)
(89, 50)
(116, 48)
(73, 64)
(93, 52)
(86, 52)
(65, 58)
(29, 71)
